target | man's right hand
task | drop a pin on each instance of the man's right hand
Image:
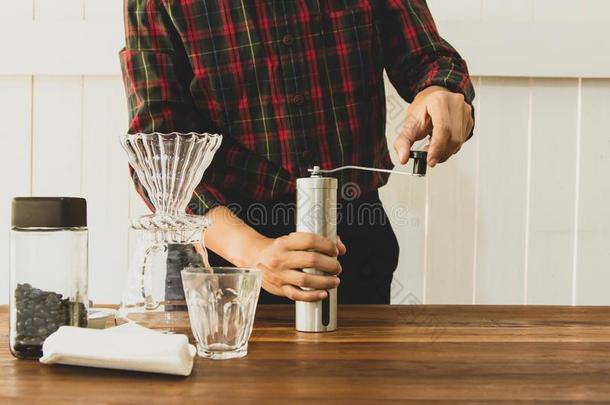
(282, 259)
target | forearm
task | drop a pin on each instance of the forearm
(279, 259)
(232, 239)
(416, 57)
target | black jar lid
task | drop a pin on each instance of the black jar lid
(49, 212)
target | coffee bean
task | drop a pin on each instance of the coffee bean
(40, 313)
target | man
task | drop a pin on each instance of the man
(291, 84)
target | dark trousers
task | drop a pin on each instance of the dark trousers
(362, 224)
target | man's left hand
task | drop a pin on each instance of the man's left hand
(439, 112)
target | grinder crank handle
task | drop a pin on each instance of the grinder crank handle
(420, 166)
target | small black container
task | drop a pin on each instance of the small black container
(48, 270)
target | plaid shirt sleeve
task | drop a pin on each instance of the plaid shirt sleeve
(290, 84)
(415, 56)
(156, 74)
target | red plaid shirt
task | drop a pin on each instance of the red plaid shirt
(289, 83)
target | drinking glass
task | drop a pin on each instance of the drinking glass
(221, 305)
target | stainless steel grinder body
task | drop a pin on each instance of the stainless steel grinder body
(317, 213)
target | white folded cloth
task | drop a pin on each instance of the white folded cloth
(125, 347)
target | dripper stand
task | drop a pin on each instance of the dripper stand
(169, 166)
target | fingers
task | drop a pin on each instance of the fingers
(446, 111)
(296, 294)
(304, 280)
(342, 248)
(416, 127)
(282, 260)
(441, 129)
(405, 140)
(309, 241)
(468, 119)
(312, 260)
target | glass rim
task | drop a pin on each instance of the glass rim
(173, 134)
(220, 271)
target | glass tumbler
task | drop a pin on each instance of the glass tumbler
(221, 304)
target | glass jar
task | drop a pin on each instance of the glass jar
(48, 270)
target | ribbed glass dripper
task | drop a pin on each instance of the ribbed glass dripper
(170, 166)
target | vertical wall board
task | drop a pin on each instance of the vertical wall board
(507, 11)
(558, 10)
(451, 229)
(137, 207)
(16, 10)
(552, 191)
(57, 141)
(455, 10)
(105, 185)
(15, 133)
(593, 253)
(96, 10)
(404, 200)
(595, 10)
(61, 10)
(502, 132)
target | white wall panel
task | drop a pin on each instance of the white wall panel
(503, 130)
(450, 239)
(593, 254)
(552, 191)
(57, 141)
(105, 186)
(492, 48)
(16, 10)
(502, 10)
(595, 10)
(558, 10)
(58, 10)
(405, 201)
(15, 135)
(452, 218)
(494, 225)
(111, 10)
(455, 10)
(137, 207)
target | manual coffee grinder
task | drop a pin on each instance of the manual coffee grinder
(317, 213)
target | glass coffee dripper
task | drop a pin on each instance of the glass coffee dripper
(169, 166)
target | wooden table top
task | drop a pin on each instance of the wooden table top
(402, 354)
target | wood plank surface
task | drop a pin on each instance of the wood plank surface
(399, 354)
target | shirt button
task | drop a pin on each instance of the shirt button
(288, 40)
(298, 100)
